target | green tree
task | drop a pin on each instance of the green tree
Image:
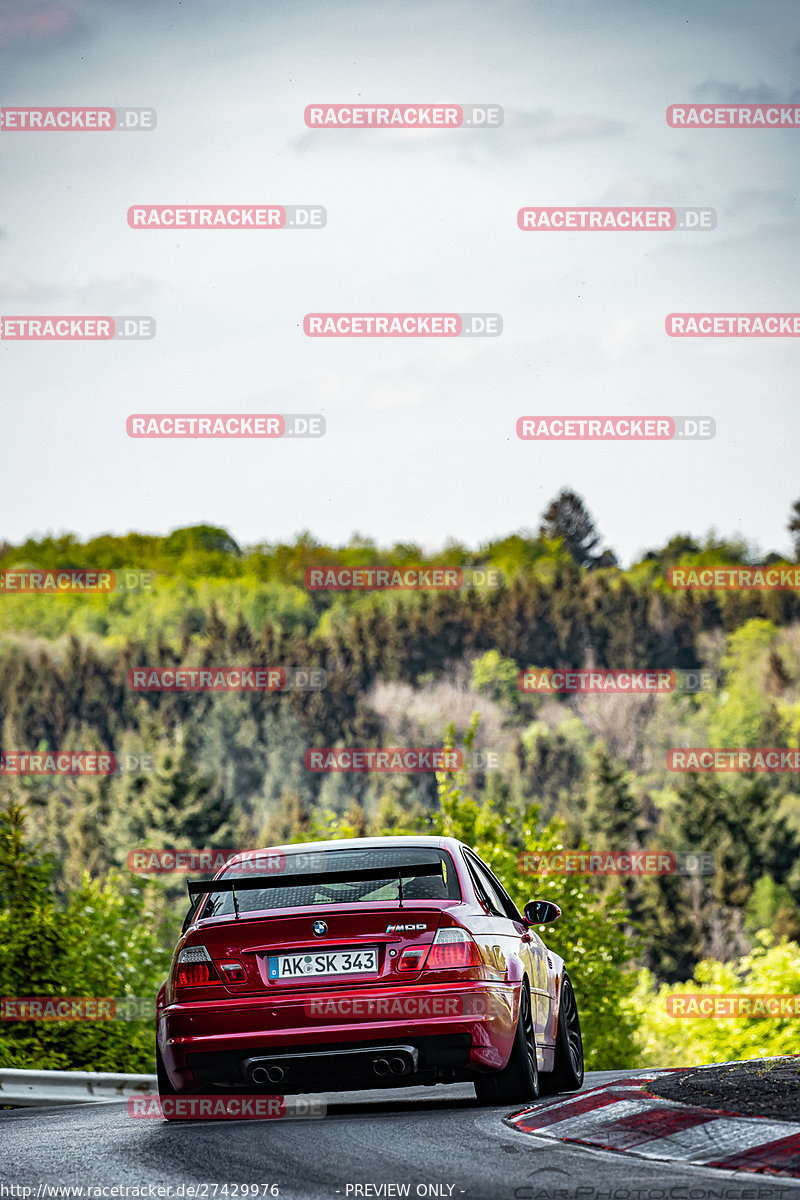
(743, 709)
(794, 527)
(771, 906)
(104, 941)
(591, 934)
(210, 538)
(171, 805)
(567, 517)
(496, 676)
(610, 817)
(669, 1041)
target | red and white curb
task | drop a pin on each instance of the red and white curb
(624, 1116)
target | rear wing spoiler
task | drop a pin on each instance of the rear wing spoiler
(251, 883)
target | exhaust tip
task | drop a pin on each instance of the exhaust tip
(380, 1066)
(267, 1074)
(398, 1066)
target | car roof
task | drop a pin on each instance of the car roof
(369, 843)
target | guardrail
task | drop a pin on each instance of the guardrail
(24, 1088)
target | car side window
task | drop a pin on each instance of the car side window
(486, 889)
(477, 884)
(507, 906)
(479, 888)
(193, 907)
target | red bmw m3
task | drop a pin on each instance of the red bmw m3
(373, 962)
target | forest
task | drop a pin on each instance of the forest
(428, 667)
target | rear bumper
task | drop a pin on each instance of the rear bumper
(456, 1029)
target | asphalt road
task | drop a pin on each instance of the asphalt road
(421, 1136)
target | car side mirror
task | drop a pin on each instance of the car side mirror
(541, 912)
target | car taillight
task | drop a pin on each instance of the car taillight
(232, 971)
(453, 948)
(412, 959)
(194, 967)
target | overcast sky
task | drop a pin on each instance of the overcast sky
(421, 441)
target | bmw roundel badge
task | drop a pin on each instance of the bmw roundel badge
(319, 928)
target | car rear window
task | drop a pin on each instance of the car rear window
(301, 894)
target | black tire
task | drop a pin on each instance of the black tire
(567, 1074)
(165, 1089)
(518, 1081)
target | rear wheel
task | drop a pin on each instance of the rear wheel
(567, 1073)
(519, 1079)
(166, 1092)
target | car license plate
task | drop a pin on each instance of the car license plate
(326, 962)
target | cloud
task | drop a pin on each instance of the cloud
(619, 340)
(718, 91)
(110, 294)
(648, 189)
(761, 201)
(544, 127)
(20, 288)
(27, 28)
(520, 130)
(117, 292)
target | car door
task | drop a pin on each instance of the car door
(521, 939)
